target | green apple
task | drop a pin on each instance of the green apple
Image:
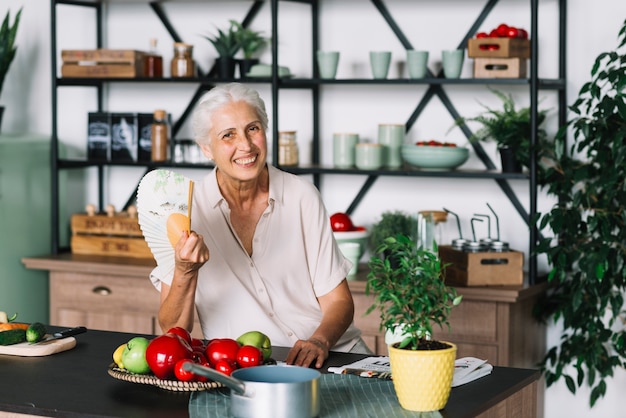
(259, 340)
(134, 355)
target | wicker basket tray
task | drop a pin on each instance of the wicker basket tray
(149, 379)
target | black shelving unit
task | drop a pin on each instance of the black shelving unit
(435, 83)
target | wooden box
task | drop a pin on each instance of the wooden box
(101, 234)
(500, 68)
(483, 268)
(101, 63)
(498, 48)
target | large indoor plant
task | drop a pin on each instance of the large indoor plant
(510, 128)
(226, 43)
(410, 294)
(392, 223)
(587, 252)
(7, 48)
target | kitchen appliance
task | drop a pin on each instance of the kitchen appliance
(276, 391)
(25, 217)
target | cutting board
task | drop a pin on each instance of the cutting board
(35, 350)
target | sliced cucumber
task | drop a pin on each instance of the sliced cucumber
(35, 332)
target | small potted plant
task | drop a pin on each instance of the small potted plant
(7, 48)
(509, 127)
(391, 224)
(251, 43)
(411, 297)
(226, 44)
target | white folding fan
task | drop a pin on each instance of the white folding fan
(164, 209)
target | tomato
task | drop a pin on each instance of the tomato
(225, 367)
(181, 332)
(482, 35)
(341, 222)
(182, 374)
(164, 352)
(199, 358)
(523, 33)
(512, 32)
(221, 349)
(494, 34)
(197, 343)
(502, 30)
(249, 356)
(360, 228)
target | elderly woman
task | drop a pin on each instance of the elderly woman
(261, 255)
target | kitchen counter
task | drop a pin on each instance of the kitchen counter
(75, 383)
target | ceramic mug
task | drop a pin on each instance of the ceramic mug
(380, 61)
(417, 63)
(391, 137)
(452, 62)
(368, 156)
(327, 63)
(344, 149)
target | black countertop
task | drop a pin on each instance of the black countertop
(75, 383)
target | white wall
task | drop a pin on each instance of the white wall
(352, 27)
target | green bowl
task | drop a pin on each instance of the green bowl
(434, 158)
(360, 237)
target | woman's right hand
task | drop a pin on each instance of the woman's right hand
(190, 253)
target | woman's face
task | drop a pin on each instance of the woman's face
(237, 141)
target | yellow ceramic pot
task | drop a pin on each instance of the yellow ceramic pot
(422, 379)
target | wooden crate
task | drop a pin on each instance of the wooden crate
(483, 268)
(498, 48)
(500, 68)
(101, 63)
(101, 234)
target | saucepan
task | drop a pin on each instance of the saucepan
(273, 391)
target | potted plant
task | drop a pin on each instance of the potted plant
(586, 252)
(251, 43)
(391, 224)
(226, 44)
(7, 48)
(510, 128)
(411, 297)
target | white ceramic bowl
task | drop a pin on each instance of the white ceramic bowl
(360, 237)
(434, 157)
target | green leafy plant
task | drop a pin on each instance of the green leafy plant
(391, 224)
(251, 41)
(7, 47)
(226, 42)
(509, 127)
(587, 252)
(409, 291)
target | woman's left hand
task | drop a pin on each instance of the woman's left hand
(307, 352)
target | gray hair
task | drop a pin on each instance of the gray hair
(219, 96)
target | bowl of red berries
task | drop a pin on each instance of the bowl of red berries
(434, 155)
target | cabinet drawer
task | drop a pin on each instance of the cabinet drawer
(104, 293)
(472, 320)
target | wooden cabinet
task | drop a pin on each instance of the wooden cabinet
(493, 323)
(106, 293)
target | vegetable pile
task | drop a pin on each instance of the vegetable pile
(18, 332)
(504, 31)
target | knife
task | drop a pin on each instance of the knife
(63, 334)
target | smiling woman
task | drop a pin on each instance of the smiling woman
(258, 235)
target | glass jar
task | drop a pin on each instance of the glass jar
(159, 136)
(287, 148)
(182, 62)
(429, 228)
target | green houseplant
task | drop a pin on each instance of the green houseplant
(391, 224)
(7, 47)
(410, 294)
(226, 43)
(251, 43)
(510, 128)
(587, 252)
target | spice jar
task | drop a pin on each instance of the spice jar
(159, 136)
(153, 62)
(182, 62)
(287, 148)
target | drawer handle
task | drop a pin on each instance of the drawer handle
(101, 290)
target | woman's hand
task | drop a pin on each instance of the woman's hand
(190, 253)
(306, 352)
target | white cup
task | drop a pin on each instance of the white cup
(352, 251)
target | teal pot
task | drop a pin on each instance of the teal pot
(509, 162)
(226, 67)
